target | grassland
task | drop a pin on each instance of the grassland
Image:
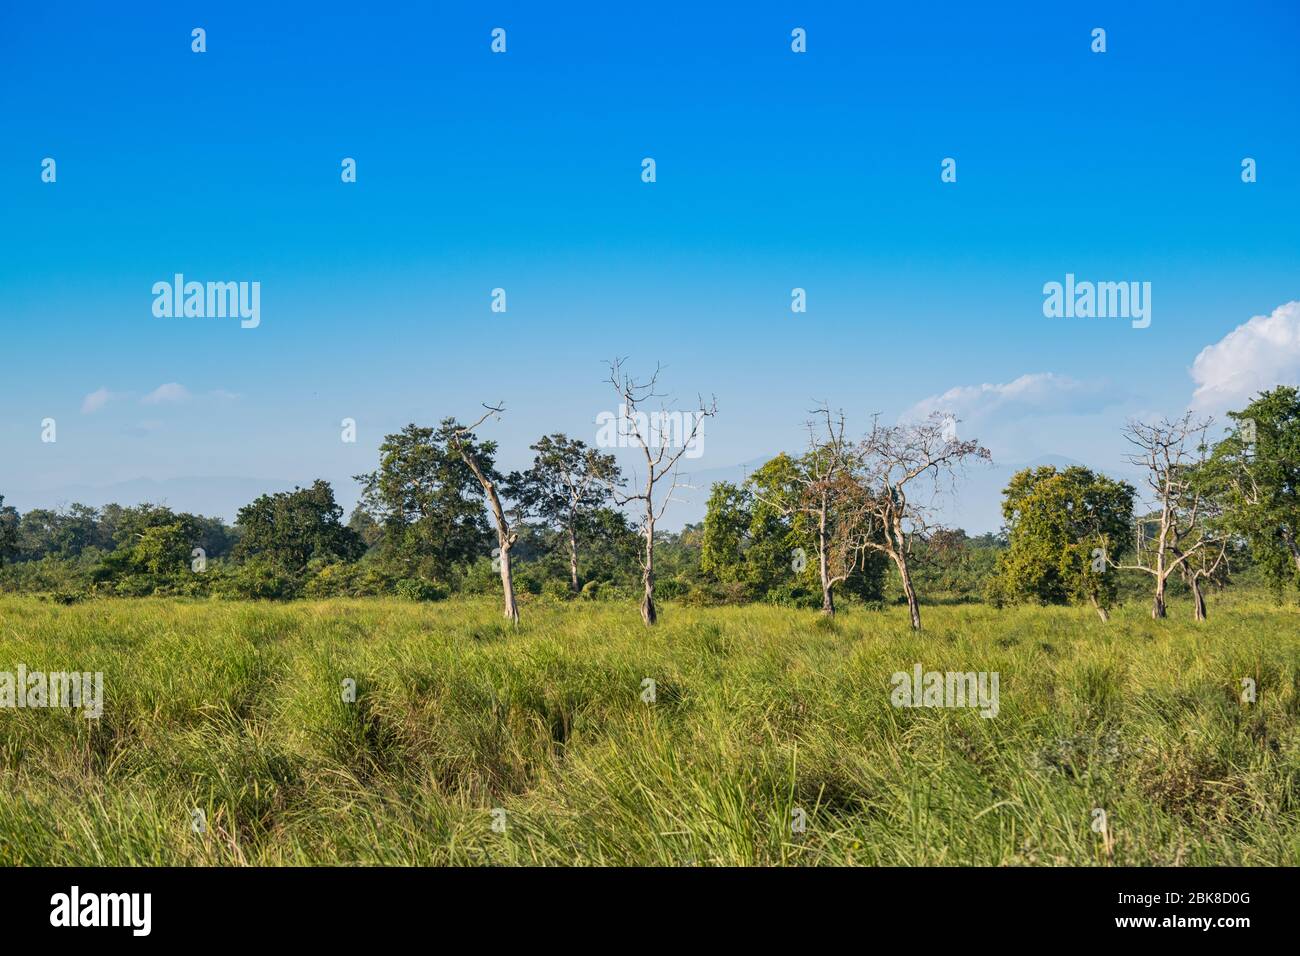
(236, 709)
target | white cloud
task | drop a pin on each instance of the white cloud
(1254, 357)
(96, 400)
(1042, 392)
(171, 392)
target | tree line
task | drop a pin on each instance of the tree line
(1072, 535)
(842, 518)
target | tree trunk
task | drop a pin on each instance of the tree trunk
(1158, 601)
(573, 560)
(913, 606)
(1289, 538)
(898, 551)
(508, 582)
(823, 567)
(648, 614)
(1158, 604)
(1101, 611)
(828, 599)
(504, 538)
(1198, 599)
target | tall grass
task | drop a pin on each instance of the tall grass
(235, 709)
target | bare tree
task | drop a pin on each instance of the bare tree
(892, 459)
(473, 454)
(823, 487)
(663, 438)
(1183, 540)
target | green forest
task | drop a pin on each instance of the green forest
(840, 520)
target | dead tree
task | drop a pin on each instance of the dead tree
(663, 438)
(463, 442)
(1172, 452)
(894, 458)
(1207, 563)
(823, 487)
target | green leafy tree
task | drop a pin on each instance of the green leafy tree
(164, 550)
(122, 527)
(67, 533)
(293, 528)
(9, 523)
(726, 523)
(566, 486)
(780, 558)
(1258, 466)
(428, 502)
(953, 563)
(1064, 530)
(820, 494)
(363, 523)
(156, 548)
(755, 534)
(611, 550)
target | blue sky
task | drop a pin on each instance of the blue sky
(522, 171)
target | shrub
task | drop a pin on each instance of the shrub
(556, 589)
(671, 588)
(481, 578)
(414, 589)
(346, 579)
(257, 580)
